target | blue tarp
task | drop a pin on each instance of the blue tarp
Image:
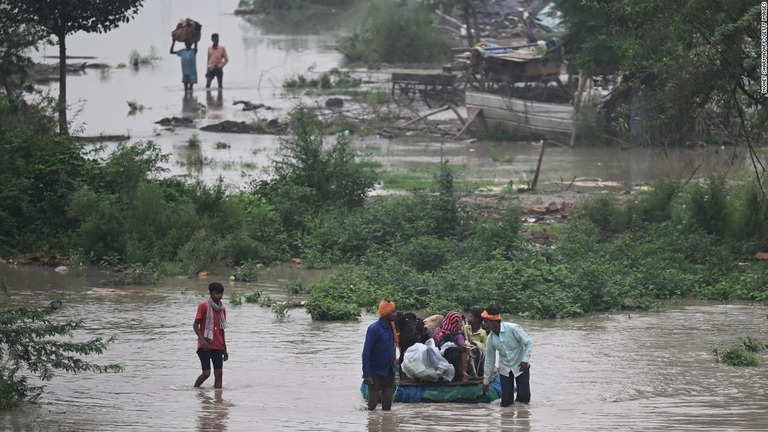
(469, 393)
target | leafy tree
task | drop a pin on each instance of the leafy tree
(39, 171)
(31, 342)
(15, 40)
(291, 5)
(309, 177)
(691, 66)
(396, 33)
(64, 17)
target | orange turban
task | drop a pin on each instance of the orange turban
(486, 315)
(386, 308)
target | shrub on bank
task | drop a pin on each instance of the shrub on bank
(396, 33)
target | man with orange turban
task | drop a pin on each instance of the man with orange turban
(514, 347)
(379, 358)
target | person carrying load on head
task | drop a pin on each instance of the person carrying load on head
(187, 31)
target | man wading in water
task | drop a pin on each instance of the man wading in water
(379, 358)
(514, 347)
(217, 59)
(209, 325)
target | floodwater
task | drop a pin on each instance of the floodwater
(261, 61)
(644, 371)
(638, 371)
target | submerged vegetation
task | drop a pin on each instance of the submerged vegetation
(33, 342)
(740, 354)
(428, 249)
(396, 33)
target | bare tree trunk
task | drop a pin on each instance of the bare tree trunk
(577, 106)
(475, 26)
(62, 102)
(468, 25)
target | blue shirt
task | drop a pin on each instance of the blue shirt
(379, 349)
(188, 64)
(514, 346)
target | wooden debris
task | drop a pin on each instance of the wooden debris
(430, 113)
(472, 117)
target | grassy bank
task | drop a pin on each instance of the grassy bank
(428, 250)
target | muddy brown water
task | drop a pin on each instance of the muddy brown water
(643, 371)
(260, 62)
(637, 371)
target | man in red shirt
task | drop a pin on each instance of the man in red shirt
(209, 325)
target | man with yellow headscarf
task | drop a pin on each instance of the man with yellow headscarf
(379, 358)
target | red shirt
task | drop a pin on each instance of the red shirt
(218, 333)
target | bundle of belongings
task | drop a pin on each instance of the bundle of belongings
(187, 30)
(424, 362)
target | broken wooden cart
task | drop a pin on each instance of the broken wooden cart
(435, 90)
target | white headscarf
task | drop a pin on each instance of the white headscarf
(212, 306)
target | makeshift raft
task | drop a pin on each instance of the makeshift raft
(409, 391)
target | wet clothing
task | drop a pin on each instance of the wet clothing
(381, 382)
(217, 341)
(514, 346)
(379, 350)
(211, 356)
(215, 72)
(523, 383)
(188, 65)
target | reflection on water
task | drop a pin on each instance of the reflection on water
(383, 421)
(214, 410)
(260, 61)
(644, 371)
(189, 105)
(214, 103)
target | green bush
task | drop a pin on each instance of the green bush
(248, 272)
(748, 215)
(735, 355)
(708, 205)
(657, 204)
(201, 252)
(426, 254)
(396, 33)
(329, 302)
(33, 342)
(40, 171)
(495, 231)
(607, 213)
(132, 274)
(309, 177)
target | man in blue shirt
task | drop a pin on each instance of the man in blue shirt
(379, 358)
(514, 347)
